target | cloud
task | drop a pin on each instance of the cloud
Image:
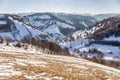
(77, 6)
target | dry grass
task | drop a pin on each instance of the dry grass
(55, 67)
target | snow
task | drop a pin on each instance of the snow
(106, 49)
(25, 30)
(109, 52)
(7, 70)
(33, 31)
(31, 62)
(77, 66)
(112, 38)
(3, 22)
(69, 21)
(11, 48)
(44, 16)
(6, 35)
(52, 29)
(39, 20)
(84, 24)
(92, 20)
(83, 62)
(47, 22)
(74, 44)
(41, 76)
(20, 62)
(54, 32)
(21, 31)
(2, 16)
(63, 25)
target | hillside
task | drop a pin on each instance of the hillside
(102, 41)
(17, 63)
(16, 28)
(101, 17)
(47, 26)
(59, 25)
(107, 28)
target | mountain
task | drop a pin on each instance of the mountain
(50, 26)
(17, 63)
(79, 21)
(108, 27)
(100, 17)
(59, 25)
(16, 28)
(103, 29)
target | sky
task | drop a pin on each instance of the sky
(63, 6)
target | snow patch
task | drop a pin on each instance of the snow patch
(84, 24)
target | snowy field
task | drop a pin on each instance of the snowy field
(17, 63)
(109, 52)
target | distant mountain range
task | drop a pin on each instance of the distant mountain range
(54, 26)
(60, 25)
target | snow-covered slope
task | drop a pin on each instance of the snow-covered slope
(64, 24)
(50, 24)
(17, 30)
(17, 63)
(101, 41)
(79, 21)
(100, 17)
(112, 38)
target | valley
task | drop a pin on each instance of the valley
(59, 46)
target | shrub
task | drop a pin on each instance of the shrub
(1, 40)
(49, 47)
(17, 44)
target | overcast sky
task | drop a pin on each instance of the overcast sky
(65, 6)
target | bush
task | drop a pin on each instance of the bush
(50, 47)
(110, 63)
(7, 39)
(17, 44)
(7, 43)
(1, 40)
(94, 50)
